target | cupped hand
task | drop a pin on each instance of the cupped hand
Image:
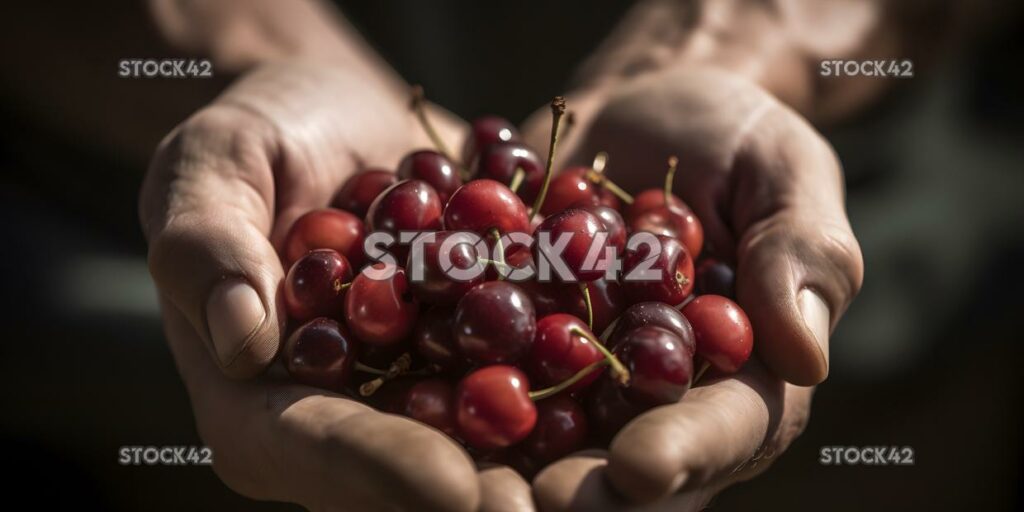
(219, 196)
(769, 192)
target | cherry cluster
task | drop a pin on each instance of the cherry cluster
(514, 370)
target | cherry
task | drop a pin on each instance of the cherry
(434, 340)
(575, 186)
(359, 191)
(583, 228)
(660, 367)
(380, 311)
(606, 301)
(326, 228)
(656, 314)
(651, 199)
(315, 285)
(438, 285)
(433, 168)
(499, 162)
(482, 205)
(674, 222)
(493, 407)
(715, 278)
(722, 330)
(432, 401)
(495, 323)
(671, 264)
(608, 409)
(560, 430)
(409, 205)
(321, 353)
(612, 221)
(559, 352)
(485, 131)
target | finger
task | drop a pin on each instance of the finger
(503, 490)
(277, 441)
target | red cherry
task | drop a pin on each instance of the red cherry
(722, 330)
(326, 228)
(558, 353)
(715, 278)
(495, 323)
(608, 409)
(314, 285)
(560, 430)
(660, 367)
(361, 189)
(321, 353)
(671, 265)
(434, 340)
(650, 199)
(438, 285)
(583, 228)
(493, 407)
(499, 162)
(482, 205)
(612, 222)
(410, 205)
(432, 401)
(606, 301)
(573, 186)
(485, 131)
(673, 222)
(380, 311)
(433, 168)
(656, 314)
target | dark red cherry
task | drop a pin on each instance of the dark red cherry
(314, 285)
(493, 407)
(378, 307)
(326, 228)
(558, 353)
(722, 330)
(437, 278)
(433, 168)
(432, 401)
(321, 353)
(582, 228)
(409, 205)
(573, 186)
(485, 131)
(435, 341)
(499, 162)
(715, 278)
(608, 409)
(670, 270)
(677, 222)
(482, 205)
(560, 430)
(606, 300)
(612, 221)
(359, 191)
(660, 367)
(650, 199)
(495, 323)
(657, 314)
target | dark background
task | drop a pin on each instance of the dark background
(928, 356)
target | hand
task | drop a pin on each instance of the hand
(769, 192)
(220, 194)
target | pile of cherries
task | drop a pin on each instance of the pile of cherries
(513, 369)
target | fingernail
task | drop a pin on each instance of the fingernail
(233, 312)
(816, 316)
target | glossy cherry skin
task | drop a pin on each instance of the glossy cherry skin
(608, 409)
(557, 353)
(321, 353)
(650, 199)
(381, 311)
(313, 286)
(612, 221)
(409, 205)
(481, 205)
(673, 265)
(560, 430)
(493, 407)
(722, 330)
(606, 300)
(435, 341)
(359, 191)
(432, 401)
(499, 162)
(439, 286)
(660, 367)
(674, 222)
(495, 323)
(326, 228)
(715, 278)
(433, 168)
(583, 228)
(573, 186)
(656, 314)
(487, 130)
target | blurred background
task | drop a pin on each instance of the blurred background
(927, 357)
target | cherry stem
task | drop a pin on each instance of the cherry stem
(398, 367)
(541, 394)
(517, 179)
(620, 371)
(369, 369)
(557, 111)
(500, 249)
(418, 100)
(585, 290)
(596, 175)
(700, 373)
(673, 162)
(600, 162)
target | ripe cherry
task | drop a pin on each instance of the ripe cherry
(482, 205)
(612, 221)
(560, 430)
(651, 199)
(574, 186)
(434, 340)
(315, 285)
(608, 409)
(559, 352)
(722, 330)
(715, 278)
(432, 401)
(485, 131)
(326, 228)
(495, 323)
(379, 308)
(657, 314)
(671, 267)
(583, 229)
(442, 284)
(606, 301)
(493, 407)
(433, 168)
(673, 222)
(499, 162)
(321, 353)
(359, 191)
(409, 205)
(660, 367)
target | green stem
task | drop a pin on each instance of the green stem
(418, 100)
(399, 367)
(557, 111)
(673, 162)
(369, 369)
(500, 249)
(620, 371)
(517, 179)
(541, 394)
(590, 307)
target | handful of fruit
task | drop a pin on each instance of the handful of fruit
(436, 293)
